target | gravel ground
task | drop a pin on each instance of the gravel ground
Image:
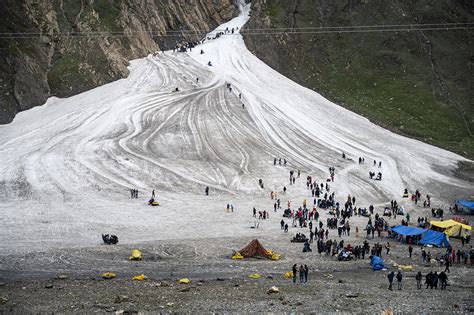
(219, 284)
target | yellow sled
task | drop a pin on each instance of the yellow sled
(108, 275)
(139, 277)
(136, 255)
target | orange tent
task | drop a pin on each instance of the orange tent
(255, 249)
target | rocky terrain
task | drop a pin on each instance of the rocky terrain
(64, 47)
(219, 284)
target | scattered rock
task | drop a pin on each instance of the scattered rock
(169, 304)
(185, 289)
(3, 300)
(49, 286)
(284, 302)
(270, 277)
(2, 284)
(340, 281)
(220, 279)
(199, 284)
(121, 299)
(164, 284)
(236, 285)
(119, 312)
(102, 306)
(273, 289)
(281, 297)
(62, 277)
(352, 295)
(299, 303)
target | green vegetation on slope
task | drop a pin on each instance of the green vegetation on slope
(415, 83)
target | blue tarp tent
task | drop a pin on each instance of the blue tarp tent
(377, 263)
(466, 203)
(408, 230)
(435, 238)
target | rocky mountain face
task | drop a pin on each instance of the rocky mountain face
(418, 83)
(64, 47)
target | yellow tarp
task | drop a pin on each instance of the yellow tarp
(288, 275)
(276, 257)
(108, 275)
(255, 276)
(136, 255)
(449, 223)
(139, 277)
(184, 281)
(405, 267)
(237, 256)
(455, 231)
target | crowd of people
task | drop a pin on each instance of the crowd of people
(432, 280)
(134, 193)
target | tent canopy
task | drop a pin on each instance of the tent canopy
(408, 230)
(456, 231)
(466, 203)
(449, 223)
(435, 238)
(254, 249)
(377, 263)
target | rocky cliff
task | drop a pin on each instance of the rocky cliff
(418, 83)
(64, 47)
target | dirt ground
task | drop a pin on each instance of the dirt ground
(219, 284)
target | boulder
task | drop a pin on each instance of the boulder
(121, 299)
(273, 289)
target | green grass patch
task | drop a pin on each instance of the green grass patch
(109, 12)
(64, 71)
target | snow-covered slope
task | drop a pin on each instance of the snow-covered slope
(67, 167)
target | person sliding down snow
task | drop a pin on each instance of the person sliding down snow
(202, 51)
(209, 64)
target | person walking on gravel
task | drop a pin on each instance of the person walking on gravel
(301, 273)
(418, 279)
(390, 277)
(295, 271)
(399, 279)
(306, 271)
(447, 263)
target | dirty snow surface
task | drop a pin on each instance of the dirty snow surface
(67, 166)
